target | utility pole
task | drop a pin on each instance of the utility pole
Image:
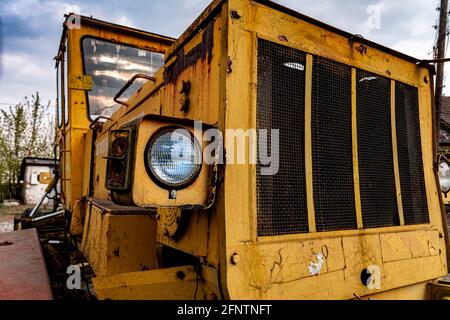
(442, 35)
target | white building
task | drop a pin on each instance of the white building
(35, 175)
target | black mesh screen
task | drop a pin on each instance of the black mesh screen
(414, 199)
(281, 198)
(332, 146)
(376, 171)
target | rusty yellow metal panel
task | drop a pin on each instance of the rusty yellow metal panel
(194, 240)
(359, 218)
(419, 244)
(325, 265)
(178, 283)
(361, 248)
(80, 82)
(118, 242)
(78, 124)
(78, 218)
(146, 193)
(395, 157)
(87, 163)
(99, 166)
(414, 292)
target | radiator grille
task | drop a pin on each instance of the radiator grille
(414, 199)
(376, 172)
(333, 186)
(281, 198)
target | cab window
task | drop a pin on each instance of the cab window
(111, 65)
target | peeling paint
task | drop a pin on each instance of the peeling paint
(315, 266)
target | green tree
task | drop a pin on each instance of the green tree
(26, 130)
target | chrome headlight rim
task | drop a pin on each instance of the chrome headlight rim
(150, 170)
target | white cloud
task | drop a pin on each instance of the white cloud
(27, 63)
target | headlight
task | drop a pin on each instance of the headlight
(173, 158)
(444, 176)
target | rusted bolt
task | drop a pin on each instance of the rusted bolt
(235, 259)
(180, 275)
(361, 49)
(441, 235)
(212, 296)
(282, 38)
(235, 14)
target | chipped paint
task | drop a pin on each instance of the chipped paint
(315, 266)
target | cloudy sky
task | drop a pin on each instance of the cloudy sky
(30, 30)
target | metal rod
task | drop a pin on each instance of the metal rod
(36, 207)
(49, 189)
(48, 216)
(436, 60)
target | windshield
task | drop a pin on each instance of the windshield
(111, 65)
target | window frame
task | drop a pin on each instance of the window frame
(59, 114)
(87, 36)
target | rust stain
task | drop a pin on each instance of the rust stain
(201, 51)
(282, 38)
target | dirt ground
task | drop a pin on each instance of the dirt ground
(7, 216)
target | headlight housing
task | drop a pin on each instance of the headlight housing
(444, 176)
(173, 158)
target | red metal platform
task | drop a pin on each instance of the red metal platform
(23, 274)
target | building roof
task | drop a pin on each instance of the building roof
(35, 162)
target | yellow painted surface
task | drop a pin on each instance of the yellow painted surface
(146, 193)
(178, 283)
(315, 265)
(360, 248)
(118, 243)
(78, 218)
(395, 157)
(414, 292)
(72, 134)
(358, 209)
(308, 145)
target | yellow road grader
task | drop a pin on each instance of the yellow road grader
(261, 155)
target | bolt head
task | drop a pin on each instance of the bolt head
(235, 258)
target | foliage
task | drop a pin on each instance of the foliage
(26, 130)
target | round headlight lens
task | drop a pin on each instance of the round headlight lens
(173, 157)
(444, 176)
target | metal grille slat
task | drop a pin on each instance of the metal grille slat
(281, 198)
(375, 159)
(333, 187)
(414, 199)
